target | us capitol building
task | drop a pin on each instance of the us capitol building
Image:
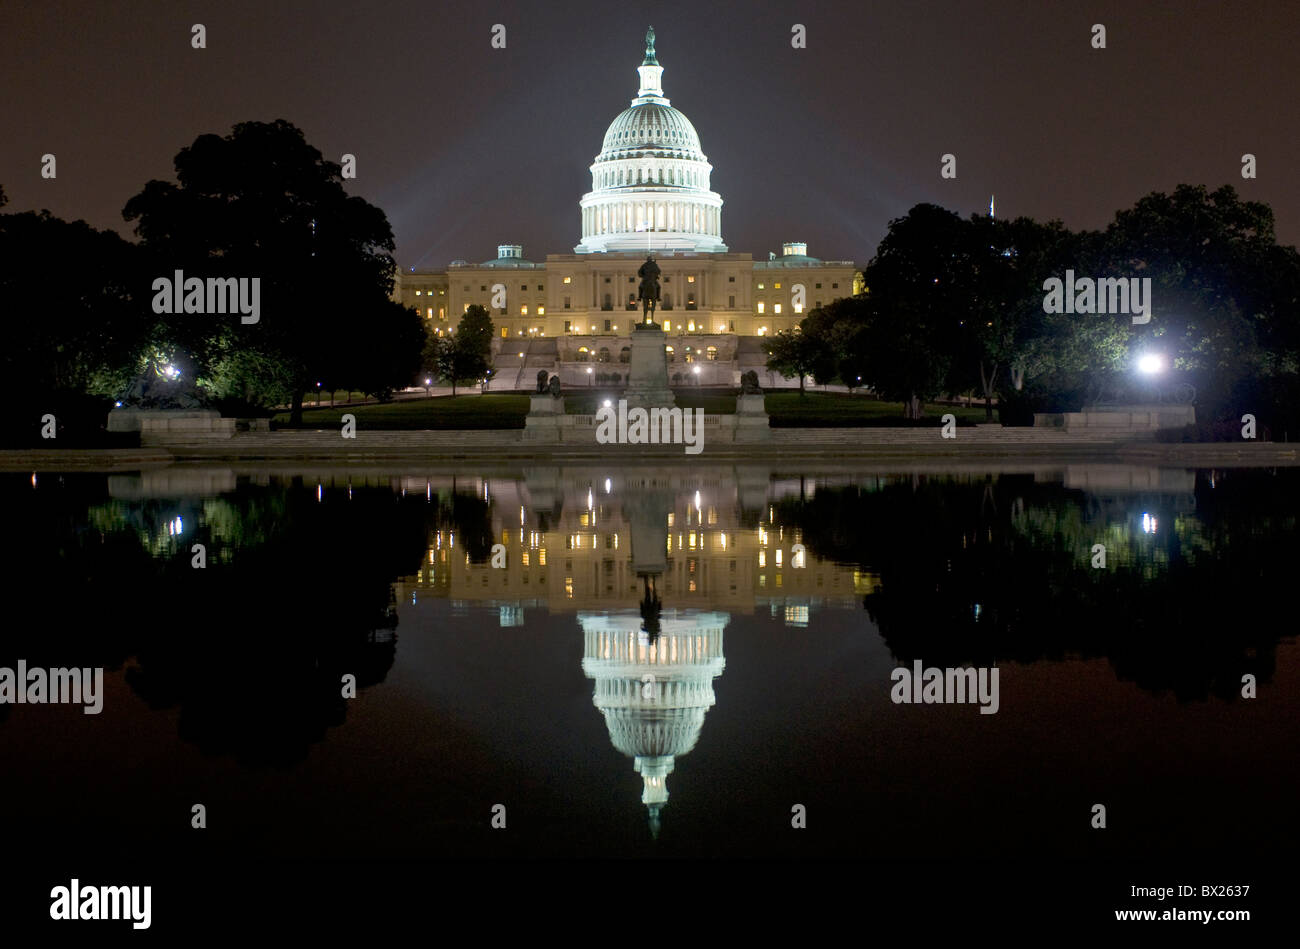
(651, 193)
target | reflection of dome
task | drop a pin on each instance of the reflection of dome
(653, 694)
(650, 183)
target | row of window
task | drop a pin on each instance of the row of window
(542, 287)
(667, 176)
(625, 354)
(690, 327)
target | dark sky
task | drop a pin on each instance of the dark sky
(466, 147)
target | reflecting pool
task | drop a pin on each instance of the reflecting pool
(655, 660)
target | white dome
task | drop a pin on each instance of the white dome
(651, 127)
(650, 186)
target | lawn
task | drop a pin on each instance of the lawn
(508, 410)
(838, 409)
(495, 410)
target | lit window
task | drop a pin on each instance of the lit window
(760, 286)
(429, 313)
(798, 307)
(504, 332)
(776, 308)
(523, 311)
(762, 307)
(568, 280)
(690, 279)
(417, 293)
(541, 311)
(777, 286)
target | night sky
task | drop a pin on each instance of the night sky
(465, 147)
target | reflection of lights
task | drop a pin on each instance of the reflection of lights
(319, 491)
(175, 526)
(118, 404)
(1148, 524)
(609, 485)
(33, 479)
(697, 501)
(608, 403)
(591, 503)
(977, 611)
(171, 372)
(1150, 363)
(521, 515)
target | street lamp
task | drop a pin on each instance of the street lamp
(589, 379)
(428, 388)
(1150, 364)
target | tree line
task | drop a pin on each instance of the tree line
(258, 202)
(956, 305)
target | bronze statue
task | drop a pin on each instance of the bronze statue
(749, 383)
(649, 292)
(542, 378)
(554, 387)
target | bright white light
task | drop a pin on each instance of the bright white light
(588, 370)
(697, 370)
(608, 403)
(428, 382)
(609, 485)
(1148, 524)
(171, 372)
(118, 404)
(1150, 363)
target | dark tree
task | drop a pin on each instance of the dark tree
(262, 202)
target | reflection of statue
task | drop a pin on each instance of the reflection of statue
(651, 606)
(554, 387)
(749, 383)
(542, 376)
(649, 292)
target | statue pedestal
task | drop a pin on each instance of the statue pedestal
(752, 423)
(647, 378)
(545, 418)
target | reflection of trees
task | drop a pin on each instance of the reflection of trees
(1000, 569)
(252, 649)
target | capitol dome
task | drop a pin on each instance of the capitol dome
(650, 187)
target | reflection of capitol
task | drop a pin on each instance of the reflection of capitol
(653, 694)
(568, 540)
(608, 545)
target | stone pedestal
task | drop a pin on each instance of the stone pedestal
(545, 416)
(1129, 421)
(171, 426)
(647, 378)
(752, 424)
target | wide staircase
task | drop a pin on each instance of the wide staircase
(510, 372)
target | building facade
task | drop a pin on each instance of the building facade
(651, 194)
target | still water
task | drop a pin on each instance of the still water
(654, 661)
